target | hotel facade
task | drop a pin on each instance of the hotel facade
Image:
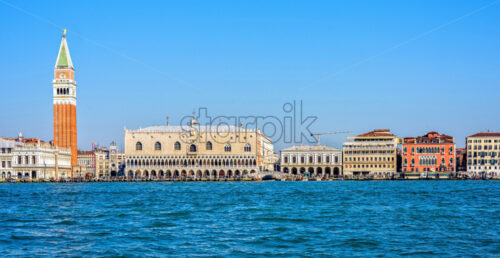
(483, 155)
(197, 152)
(311, 161)
(371, 155)
(432, 156)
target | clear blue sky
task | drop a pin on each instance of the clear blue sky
(138, 61)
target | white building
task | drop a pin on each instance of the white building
(31, 158)
(483, 155)
(6, 148)
(312, 161)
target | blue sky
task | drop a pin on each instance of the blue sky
(137, 61)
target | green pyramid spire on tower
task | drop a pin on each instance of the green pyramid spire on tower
(63, 58)
(62, 61)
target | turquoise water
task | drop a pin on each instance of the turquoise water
(442, 218)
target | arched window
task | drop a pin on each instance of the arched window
(138, 146)
(227, 148)
(177, 146)
(208, 146)
(286, 159)
(192, 148)
(157, 146)
(248, 147)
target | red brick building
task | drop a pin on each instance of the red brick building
(64, 99)
(432, 152)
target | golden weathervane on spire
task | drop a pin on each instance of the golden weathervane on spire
(64, 32)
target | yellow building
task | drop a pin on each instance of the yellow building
(197, 152)
(371, 155)
(483, 155)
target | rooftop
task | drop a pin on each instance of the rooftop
(310, 148)
(485, 134)
(8, 143)
(377, 133)
(199, 128)
(430, 138)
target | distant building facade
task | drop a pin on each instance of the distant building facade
(483, 155)
(195, 151)
(461, 159)
(6, 157)
(31, 158)
(370, 155)
(311, 161)
(432, 154)
(86, 165)
(109, 162)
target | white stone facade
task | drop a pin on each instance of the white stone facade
(33, 160)
(311, 161)
(483, 155)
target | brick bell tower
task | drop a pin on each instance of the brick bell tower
(64, 92)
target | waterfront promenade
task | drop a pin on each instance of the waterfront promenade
(283, 179)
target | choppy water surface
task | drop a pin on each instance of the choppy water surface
(251, 219)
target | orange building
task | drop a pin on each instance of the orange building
(432, 152)
(64, 96)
